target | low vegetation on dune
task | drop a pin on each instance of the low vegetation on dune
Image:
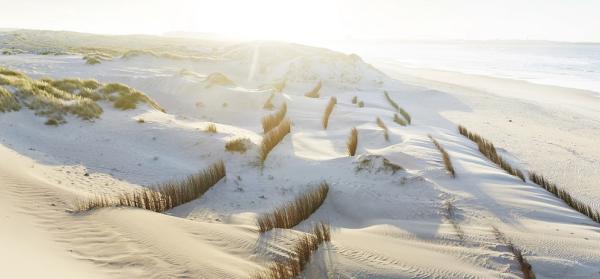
(125, 97)
(315, 92)
(397, 107)
(299, 257)
(488, 150)
(352, 142)
(445, 157)
(562, 194)
(238, 145)
(164, 196)
(375, 164)
(524, 265)
(361, 104)
(211, 128)
(55, 99)
(354, 100)
(272, 138)
(272, 120)
(269, 103)
(328, 111)
(384, 127)
(291, 214)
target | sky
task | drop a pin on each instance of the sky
(313, 20)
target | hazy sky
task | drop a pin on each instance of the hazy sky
(560, 20)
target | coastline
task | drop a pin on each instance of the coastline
(550, 129)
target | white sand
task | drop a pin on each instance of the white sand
(385, 225)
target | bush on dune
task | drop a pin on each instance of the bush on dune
(164, 196)
(300, 255)
(272, 120)
(445, 157)
(352, 142)
(291, 214)
(328, 111)
(562, 194)
(488, 150)
(272, 138)
(354, 100)
(361, 104)
(315, 92)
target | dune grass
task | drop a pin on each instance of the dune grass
(352, 142)
(488, 150)
(279, 86)
(291, 214)
(300, 255)
(269, 103)
(361, 104)
(524, 265)
(272, 120)
(55, 99)
(272, 138)
(237, 145)
(164, 196)
(354, 100)
(315, 92)
(399, 120)
(8, 101)
(327, 112)
(562, 194)
(445, 157)
(384, 127)
(397, 107)
(211, 128)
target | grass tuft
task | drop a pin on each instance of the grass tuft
(524, 265)
(399, 120)
(165, 196)
(315, 92)
(562, 194)
(385, 129)
(237, 145)
(300, 255)
(488, 150)
(352, 142)
(272, 138)
(272, 120)
(291, 214)
(354, 100)
(328, 111)
(8, 101)
(211, 128)
(361, 104)
(397, 107)
(269, 103)
(445, 156)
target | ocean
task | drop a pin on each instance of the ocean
(570, 65)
